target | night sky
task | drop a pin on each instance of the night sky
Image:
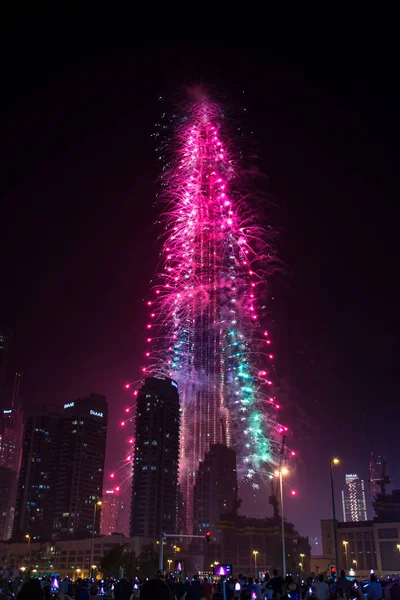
(78, 241)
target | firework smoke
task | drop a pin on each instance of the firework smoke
(205, 327)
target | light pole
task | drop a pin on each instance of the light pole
(255, 552)
(99, 503)
(345, 544)
(279, 474)
(28, 537)
(334, 461)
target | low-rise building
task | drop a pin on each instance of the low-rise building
(366, 545)
(68, 558)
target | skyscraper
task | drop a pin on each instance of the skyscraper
(5, 336)
(109, 512)
(37, 488)
(11, 431)
(353, 499)
(206, 319)
(378, 478)
(156, 460)
(216, 488)
(83, 435)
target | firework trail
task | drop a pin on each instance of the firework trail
(205, 327)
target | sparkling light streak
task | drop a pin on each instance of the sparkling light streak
(206, 318)
(207, 312)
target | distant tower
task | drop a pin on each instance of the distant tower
(5, 336)
(378, 479)
(109, 513)
(216, 488)
(156, 462)
(353, 499)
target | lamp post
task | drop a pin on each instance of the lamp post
(28, 537)
(334, 461)
(99, 503)
(345, 544)
(279, 474)
(255, 552)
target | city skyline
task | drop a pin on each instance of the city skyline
(78, 245)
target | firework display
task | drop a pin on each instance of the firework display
(206, 326)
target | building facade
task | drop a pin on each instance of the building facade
(237, 537)
(216, 488)
(11, 432)
(37, 488)
(366, 545)
(156, 459)
(5, 336)
(378, 478)
(69, 558)
(353, 499)
(83, 435)
(62, 470)
(124, 515)
(109, 513)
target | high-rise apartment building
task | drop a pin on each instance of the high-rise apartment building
(216, 488)
(353, 499)
(83, 433)
(37, 489)
(156, 460)
(61, 477)
(109, 512)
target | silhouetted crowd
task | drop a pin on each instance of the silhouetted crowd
(171, 587)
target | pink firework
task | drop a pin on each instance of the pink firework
(205, 313)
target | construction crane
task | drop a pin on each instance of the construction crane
(273, 499)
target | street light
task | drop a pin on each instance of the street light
(345, 544)
(169, 561)
(98, 503)
(334, 461)
(255, 552)
(28, 537)
(279, 474)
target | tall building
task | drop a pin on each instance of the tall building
(206, 322)
(83, 433)
(156, 461)
(378, 478)
(61, 476)
(37, 489)
(216, 488)
(124, 515)
(11, 431)
(109, 513)
(353, 499)
(5, 336)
